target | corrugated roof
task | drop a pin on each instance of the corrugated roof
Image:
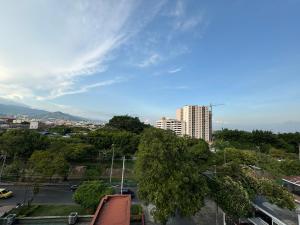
(113, 210)
(293, 180)
(285, 216)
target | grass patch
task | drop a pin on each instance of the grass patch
(55, 210)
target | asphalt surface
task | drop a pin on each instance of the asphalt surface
(46, 195)
(52, 194)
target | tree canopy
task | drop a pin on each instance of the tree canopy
(173, 174)
(257, 140)
(168, 174)
(128, 123)
(89, 194)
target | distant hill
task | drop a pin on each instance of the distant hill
(13, 109)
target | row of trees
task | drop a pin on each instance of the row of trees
(30, 152)
(176, 174)
(257, 139)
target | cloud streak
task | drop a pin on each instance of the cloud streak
(153, 59)
(61, 92)
(176, 70)
(49, 45)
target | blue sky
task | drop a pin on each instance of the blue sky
(147, 58)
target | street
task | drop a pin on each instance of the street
(47, 195)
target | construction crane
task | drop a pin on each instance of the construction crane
(214, 105)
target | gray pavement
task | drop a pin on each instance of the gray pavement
(47, 195)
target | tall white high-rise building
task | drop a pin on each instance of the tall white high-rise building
(171, 124)
(198, 121)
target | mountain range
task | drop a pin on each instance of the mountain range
(11, 108)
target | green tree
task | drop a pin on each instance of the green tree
(21, 143)
(79, 152)
(168, 174)
(290, 167)
(128, 123)
(46, 164)
(125, 142)
(89, 194)
(232, 197)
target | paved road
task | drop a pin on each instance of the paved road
(46, 195)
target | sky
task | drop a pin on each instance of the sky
(97, 59)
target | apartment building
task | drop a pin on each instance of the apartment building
(197, 120)
(171, 124)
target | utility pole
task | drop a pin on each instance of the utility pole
(2, 168)
(112, 162)
(123, 175)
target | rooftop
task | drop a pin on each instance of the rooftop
(295, 180)
(284, 215)
(113, 210)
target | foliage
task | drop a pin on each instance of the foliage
(89, 194)
(78, 152)
(232, 197)
(168, 174)
(127, 123)
(235, 155)
(47, 164)
(56, 210)
(125, 143)
(64, 130)
(14, 169)
(262, 186)
(21, 143)
(136, 209)
(262, 141)
(92, 173)
(290, 167)
(47, 210)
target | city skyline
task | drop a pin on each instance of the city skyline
(102, 58)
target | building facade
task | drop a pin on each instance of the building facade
(171, 124)
(198, 121)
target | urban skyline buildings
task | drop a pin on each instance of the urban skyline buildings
(192, 120)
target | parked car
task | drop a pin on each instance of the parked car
(74, 187)
(127, 191)
(5, 193)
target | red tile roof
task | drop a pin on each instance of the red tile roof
(113, 210)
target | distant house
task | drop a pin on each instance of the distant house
(34, 125)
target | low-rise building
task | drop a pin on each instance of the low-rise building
(171, 124)
(34, 125)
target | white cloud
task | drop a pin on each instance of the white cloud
(184, 21)
(176, 70)
(151, 60)
(45, 46)
(179, 9)
(189, 23)
(63, 91)
(14, 92)
(181, 87)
